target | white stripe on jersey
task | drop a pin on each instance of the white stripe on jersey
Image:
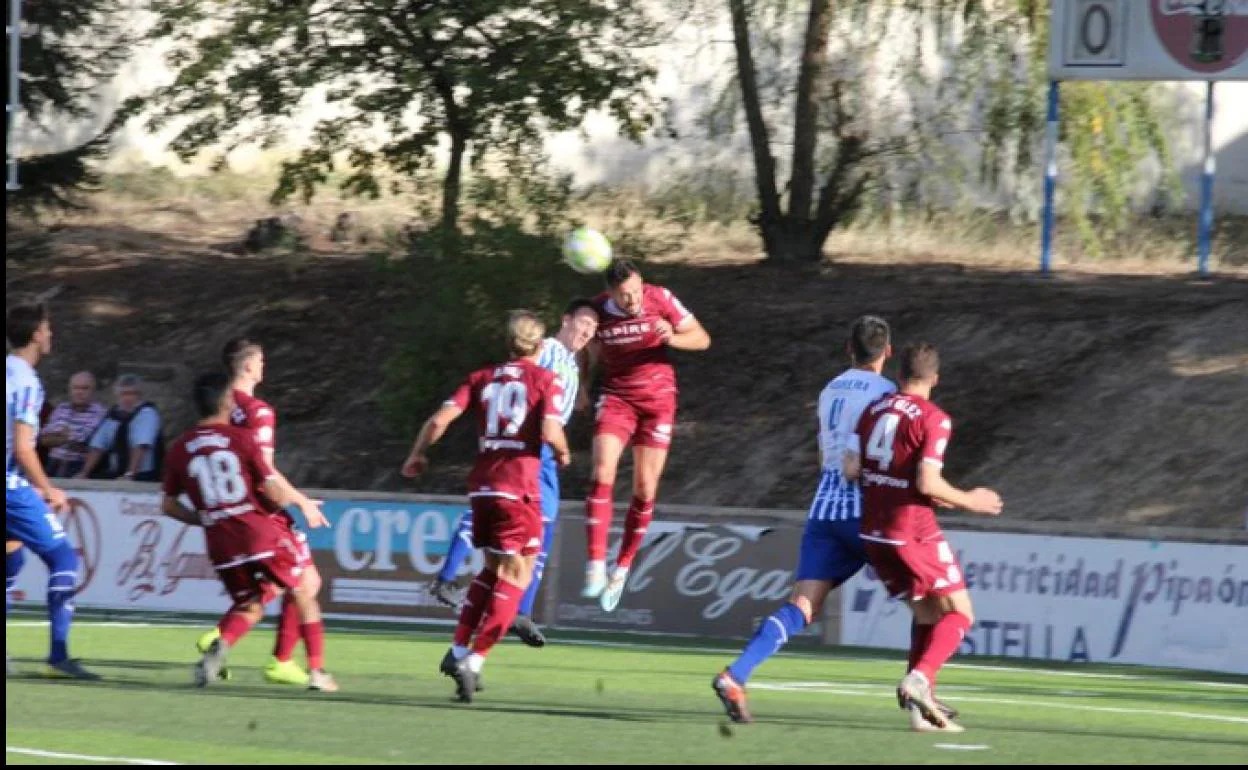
(836, 499)
(23, 401)
(561, 361)
(841, 404)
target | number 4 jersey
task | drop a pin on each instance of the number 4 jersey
(221, 469)
(896, 434)
(512, 400)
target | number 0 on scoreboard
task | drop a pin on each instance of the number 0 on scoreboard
(1094, 34)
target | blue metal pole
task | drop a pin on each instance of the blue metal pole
(1206, 188)
(1050, 181)
(14, 107)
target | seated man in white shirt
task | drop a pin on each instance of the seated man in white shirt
(128, 444)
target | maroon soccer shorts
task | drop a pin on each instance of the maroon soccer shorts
(918, 568)
(264, 576)
(299, 540)
(506, 526)
(646, 424)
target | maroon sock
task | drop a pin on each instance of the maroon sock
(640, 512)
(946, 636)
(234, 626)
(598, 512)
(287, 630)
(500, 611)
(474, 606)
(314, 642)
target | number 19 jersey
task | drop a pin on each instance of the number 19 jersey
(511, 400)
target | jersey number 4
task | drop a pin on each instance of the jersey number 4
(880, 444)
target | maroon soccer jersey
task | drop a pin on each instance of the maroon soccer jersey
(256, 416)
(895, 435)
(223, 471)
(634, 358)
(512, 400)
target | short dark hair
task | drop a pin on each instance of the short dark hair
(23, 321)
(919, 361)
(209, 392)
(620, 271)
(237, 351)
(580, 303)
(868, 338)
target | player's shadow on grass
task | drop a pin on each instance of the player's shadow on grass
(250, 688)
(830, 719)
(257, 692)
(141, 665)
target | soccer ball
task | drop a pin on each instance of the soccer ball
(587, 251)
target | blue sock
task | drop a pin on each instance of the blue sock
(12, 566)
(461, 547)
(539, 566)
(62, 564)
(773, 634)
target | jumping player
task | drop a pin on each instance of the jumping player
(637, 323)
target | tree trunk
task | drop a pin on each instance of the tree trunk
(806, 110)
(459, 127)
(842, 189)
(760, 143)
(452, 183)
(792, 240)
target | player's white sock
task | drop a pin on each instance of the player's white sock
(597, 567)
(458, 652)
(475, 662)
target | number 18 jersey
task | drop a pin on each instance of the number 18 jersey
(221, 469)
(511, 400)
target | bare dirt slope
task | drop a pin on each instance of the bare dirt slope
(1084, 397)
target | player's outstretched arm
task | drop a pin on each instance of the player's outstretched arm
(284, 494)
(433, 430)
(979, 500)
(170, 506)
(690, 336)
(270, 459)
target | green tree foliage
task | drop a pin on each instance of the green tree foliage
(463, 283)
(888, 100)
(69, 49)
(397, 77)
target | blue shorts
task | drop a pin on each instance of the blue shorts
(548, 482)
(28, 520)
(832, 551)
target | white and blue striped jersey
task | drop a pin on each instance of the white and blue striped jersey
(561, 361)
(24, 398)
(841, 404)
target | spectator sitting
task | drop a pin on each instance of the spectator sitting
(128, 440)
(70, 427)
